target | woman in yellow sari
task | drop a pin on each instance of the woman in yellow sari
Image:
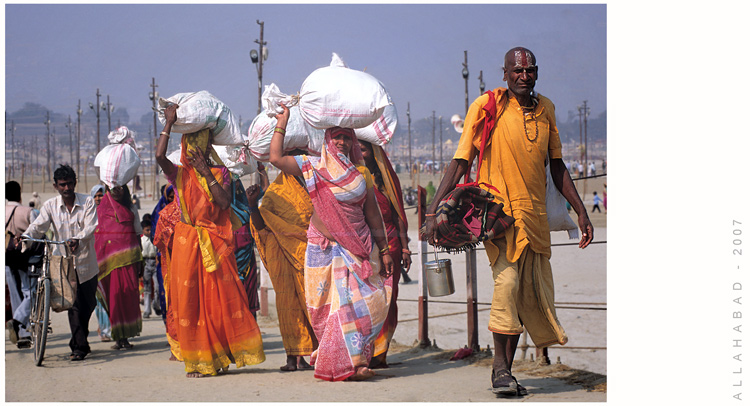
(215, 326)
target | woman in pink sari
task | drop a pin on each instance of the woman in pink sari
(346, 295)
(118, 253)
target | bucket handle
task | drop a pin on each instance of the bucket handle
(436, 257)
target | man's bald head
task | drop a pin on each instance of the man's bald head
(519, 57)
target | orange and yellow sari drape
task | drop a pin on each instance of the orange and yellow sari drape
(214, 323)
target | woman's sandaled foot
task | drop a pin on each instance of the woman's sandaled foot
(503, 383)
(361, 374)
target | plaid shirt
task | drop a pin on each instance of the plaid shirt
(79, 223)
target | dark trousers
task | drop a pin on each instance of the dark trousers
(80, 314)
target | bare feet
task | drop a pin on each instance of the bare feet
(196, 375)
(361, 374)
(303, 365)
(291, 364)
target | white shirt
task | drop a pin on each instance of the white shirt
(148, 248)
(79, 223)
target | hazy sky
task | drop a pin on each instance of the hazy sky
(57, 54)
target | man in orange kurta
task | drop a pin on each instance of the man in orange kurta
(524, 137)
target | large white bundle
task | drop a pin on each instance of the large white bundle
(200, 110)
(299, 135)
(381, 131)
(118, 163)
(336, 96)
(557, 212)
(235, 158)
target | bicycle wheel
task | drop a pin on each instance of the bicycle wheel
(41, 321)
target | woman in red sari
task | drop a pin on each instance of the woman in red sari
(214, 324)
(391, 202)
(169, 216)
(118, 254)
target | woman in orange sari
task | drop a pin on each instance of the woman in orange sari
(214, 323)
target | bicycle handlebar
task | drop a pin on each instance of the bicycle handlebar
(25, 238)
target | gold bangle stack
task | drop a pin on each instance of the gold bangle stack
(213, 183)
(164, 133)
(280, 130)
(385, 250)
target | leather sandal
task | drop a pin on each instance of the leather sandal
(503, 383)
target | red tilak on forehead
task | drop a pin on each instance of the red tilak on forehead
(523, 58)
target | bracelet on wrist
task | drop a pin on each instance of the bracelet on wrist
(280, 130)
(164, 133)
(213, 183)
(385, 250)
(405, 251)
(430, 214)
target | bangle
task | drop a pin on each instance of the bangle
(385, 250)
(430, 215)
(213, 183)
(164, 133)
(405, 251)
(279, 130)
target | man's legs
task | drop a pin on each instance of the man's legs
(23, 312)
(149, 269)
(79, 315)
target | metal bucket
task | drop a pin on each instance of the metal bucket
(439, 276)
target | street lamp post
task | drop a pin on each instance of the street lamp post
(441, 144)
(96, 110)
(109, 109)
(465, 74)
(78, 139)
(69, 124)
(433, 141)
(12, 148)
(154, 95)
(49, 170)
(408, 122)
(258, 57)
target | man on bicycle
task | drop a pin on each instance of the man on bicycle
(72, 218)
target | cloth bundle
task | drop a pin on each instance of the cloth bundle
(201, 110)
(235, 158)
(557, 212)
(299, 134)
(468, 216)
(118, 162)
(336, 96)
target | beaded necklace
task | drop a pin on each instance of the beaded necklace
(536, 124)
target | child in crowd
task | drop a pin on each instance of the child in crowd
(149, 267)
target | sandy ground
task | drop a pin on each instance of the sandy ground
(145, 374)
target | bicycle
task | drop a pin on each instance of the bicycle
(40, 300)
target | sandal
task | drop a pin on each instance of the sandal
(503, 383)
(77, 356)
(288, 368)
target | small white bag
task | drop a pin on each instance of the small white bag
(118, 163)
(299, 135)
(201, 110)
(336, 96)
(557, 213)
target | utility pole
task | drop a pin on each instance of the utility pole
(96, 110)
(78, 138)
(12, 148)
(154, 95)
(441, 144)
(433, 141)
(258, 57)
(585, 137)
(49, 160)
(109, 120)
(408, 121)
(69, 124)
(465, 74)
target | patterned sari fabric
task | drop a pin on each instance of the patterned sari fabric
(286, 210)
(347, 299)
(391, 203)
(118, 254)
(244, 246)
(169, 216)
(160, 205)
(214, 323)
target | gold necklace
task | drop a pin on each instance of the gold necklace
(536, 124)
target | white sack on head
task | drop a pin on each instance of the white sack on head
(201, 110)
(336, 96)
(381, 131)
(118, 163)
(557, 213)
(122, 135)
(299, 135)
